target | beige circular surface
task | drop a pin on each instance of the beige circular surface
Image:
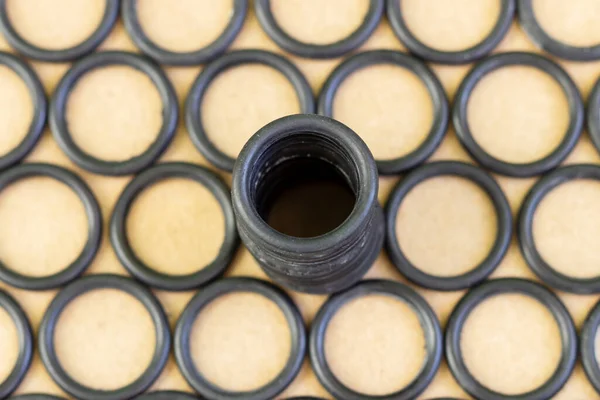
(40, 238)
(176, 226)
(566, 226)
(104, 339)
(450, 25)
(375, 345)
(518, 114)
(319, 22)
(388, 106)
(114, 113)
(55, 24)
(574, 22)
(446, 226)
(184, 25)
(243, 99)
(511, 343)
(9, 344)
(226, 335)
(16, 110)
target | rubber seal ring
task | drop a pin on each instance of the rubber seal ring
(521, 170)
(193, 114)
(546, 42)
(498, 250)
(593, 115)
(237, 285)
(111, 13)
(427, 318)
(40, 108)
(534, 259)
(25, 337)
(502, 286)
(82, 286)
(94, 217)
(165, 56)
(473, 53)
(587, 347)
(167, 395)
(60, 127)
(434, 88)
(307, 50)
(36, 396)
(143, 272)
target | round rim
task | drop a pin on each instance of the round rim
(498, 250)
(60, 128)
(434, 88)
(332, 50)
(232, 285)
(193, 117)
(84, 285)
(429, 324)
(145, 273)
(481, 49)
(94, 217)
(593, 115)
(552, 160)
(167, 395)
(588, 347)
(502, 286)
(36, 396)
(165, 56)
(111, 13)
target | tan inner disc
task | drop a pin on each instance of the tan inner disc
(574, 22)
(9, 344)
(16, 110)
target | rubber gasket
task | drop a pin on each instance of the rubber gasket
(94, 217)
(521, 170)
(498, 250)
(167, 395)
(16, 41)
(165, 56)
(593, 115)
(587, 340)
(492, 288)
(233, 285)
(423, 72)
(86, 284)
(60, 127)
(36, 396)
(145, 273)
(332, 50)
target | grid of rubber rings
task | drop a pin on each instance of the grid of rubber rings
(217, 59)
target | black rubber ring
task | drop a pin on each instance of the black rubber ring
(60, 127)
(503, 235)
(165, 56)
(233, 285)
(193, 114)
(497, 287)
(521, 170)
(36, 396)
(587, 347)
(593, 115)
(546, 42)
(145, 273)
(420, 49)
(308, 50)
(534, 259)
(25, 336)
(94, 217)
(40, 108)
(427, 318)
(167, 395)
(434, 87)
(84, 285)
(111, 13)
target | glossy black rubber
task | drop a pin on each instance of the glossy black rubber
(235, 285)
(25, 337)
(193, 114)
(534, 259)
(420, 49)
(145, 273)
(498, 287)
(432, 83)
(111, 13)
(308, 50)
(165, 56)
(60, 128)
(427, 318)
(40, 108)
(94, 217)
(36, 396)
(587, 346)
(167, 395)
(503, 218)
(495, 62)
(593, 115)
